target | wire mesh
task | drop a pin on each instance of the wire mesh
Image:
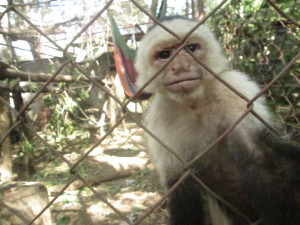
(274, 66)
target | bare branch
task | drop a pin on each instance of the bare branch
(30, 34)
(7, 73)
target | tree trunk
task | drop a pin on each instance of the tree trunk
(153, 8)
(23, 201)
(6, 147)
(198, 9)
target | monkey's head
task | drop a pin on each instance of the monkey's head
(183, 76)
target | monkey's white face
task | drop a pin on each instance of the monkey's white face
(183, 76)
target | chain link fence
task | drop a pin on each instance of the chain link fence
(79, 135)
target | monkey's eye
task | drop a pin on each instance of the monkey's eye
(164, 54)
(192, 47)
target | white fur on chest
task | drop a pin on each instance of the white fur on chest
(181, 130)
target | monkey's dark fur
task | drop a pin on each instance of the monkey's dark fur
(252, 169)
(270, 188)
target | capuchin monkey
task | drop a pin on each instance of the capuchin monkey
(251, 169)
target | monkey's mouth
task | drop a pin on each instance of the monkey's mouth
(183, 85)
(183, 80)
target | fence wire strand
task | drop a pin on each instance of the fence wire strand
(289, 92)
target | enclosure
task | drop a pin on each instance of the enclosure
(72, 136)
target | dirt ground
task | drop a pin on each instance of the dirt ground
(119, 170)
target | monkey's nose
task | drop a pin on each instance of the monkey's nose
(180, 66)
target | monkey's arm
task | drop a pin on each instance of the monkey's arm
(270, 178)
(186, 204)
(280, 145)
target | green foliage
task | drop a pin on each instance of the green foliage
(26, 145)
(144, 172)
(64, 221)
(60, 105)
(84, 95)
(261, 42)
